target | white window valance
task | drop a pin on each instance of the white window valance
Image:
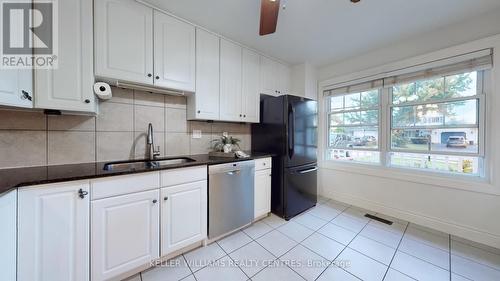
(356, 88)
(427, 71)
(473, 61)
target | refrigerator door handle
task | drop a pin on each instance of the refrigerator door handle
(308, 170)
(291, 130)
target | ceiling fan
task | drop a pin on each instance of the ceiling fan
(269, 10)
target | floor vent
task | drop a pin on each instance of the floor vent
(378, 219)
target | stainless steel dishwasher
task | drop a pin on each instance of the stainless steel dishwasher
(230, 197)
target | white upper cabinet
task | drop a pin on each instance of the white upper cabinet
(125, 234)
(275, 77)
(268, 81)
(53, 233)
(174, 53)
(69, 86)
(284, 79)
(183, 216)
(250, 86)
(124, 41)
(230, 81)
(204, 104)
(16, 88)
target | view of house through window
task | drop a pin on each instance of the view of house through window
(434, 124)
(354, 127)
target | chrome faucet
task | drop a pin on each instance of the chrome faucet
(153, 154)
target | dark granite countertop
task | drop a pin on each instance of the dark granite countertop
(27, 176)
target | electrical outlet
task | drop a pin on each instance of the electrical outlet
(197, 134)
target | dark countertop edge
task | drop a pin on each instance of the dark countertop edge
(200, 160)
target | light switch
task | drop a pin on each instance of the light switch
(225, 134)
(197, 134)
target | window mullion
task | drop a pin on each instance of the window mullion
(385, 125)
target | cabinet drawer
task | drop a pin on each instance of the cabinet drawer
(113, 186)
(183, 175)
(263, 163)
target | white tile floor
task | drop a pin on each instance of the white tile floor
(333, 241)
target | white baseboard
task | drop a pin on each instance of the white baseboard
(434, 223)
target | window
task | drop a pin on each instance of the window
(428, 120)
(435, 124)
(353, 130)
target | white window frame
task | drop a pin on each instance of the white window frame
(385, 129)
(480, 97)
(329, 112)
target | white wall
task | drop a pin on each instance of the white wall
(474, 29)
(466, 208)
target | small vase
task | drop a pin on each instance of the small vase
(227, 148)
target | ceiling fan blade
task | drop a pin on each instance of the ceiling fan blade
(269, 10)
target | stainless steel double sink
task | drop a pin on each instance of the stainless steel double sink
(146, 164)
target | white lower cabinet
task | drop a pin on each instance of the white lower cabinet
(262, 195)
(64, 236)
(53, 233)
(8, 239)
(125, 234)
(262, 192)
(183, 216)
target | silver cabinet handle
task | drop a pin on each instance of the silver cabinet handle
(235, 172)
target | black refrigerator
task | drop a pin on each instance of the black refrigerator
(288, 130)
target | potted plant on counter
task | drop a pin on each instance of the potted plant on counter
(225, 146)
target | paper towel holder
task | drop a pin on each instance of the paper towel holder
(103, 90)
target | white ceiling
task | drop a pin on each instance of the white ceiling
(326, 31)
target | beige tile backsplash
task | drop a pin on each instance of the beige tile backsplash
(118, 132)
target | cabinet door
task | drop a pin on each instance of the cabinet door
(174, 53)
(69, 86)
(205, 103)
(53, 233)
(184, 216)
(284, 79)
(8, 239)
(250, 86)
(268, 76)
(262, 192)
(230, 81)
(125, 233)
(124, 41)
(12, 84)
